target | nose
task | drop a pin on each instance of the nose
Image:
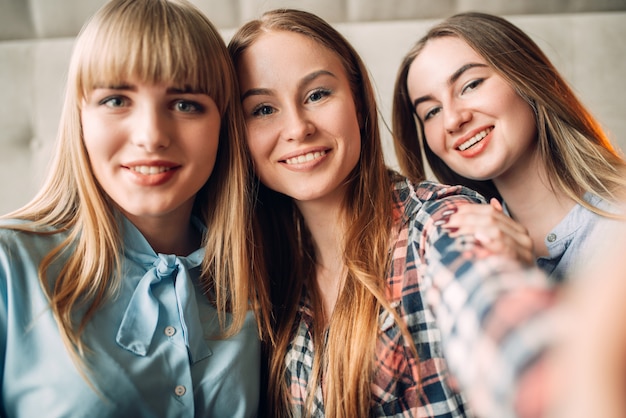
(149, 128)
(456, 115)
(296, 125)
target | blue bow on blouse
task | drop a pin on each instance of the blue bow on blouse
(142, 314)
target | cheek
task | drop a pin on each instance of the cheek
(258, 145)
(435, 139)
(92, 130)
(522, 116)
(206, 137)
(354, 145)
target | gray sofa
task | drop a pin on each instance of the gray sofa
(585, 39)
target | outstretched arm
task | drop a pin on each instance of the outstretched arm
(494, 313)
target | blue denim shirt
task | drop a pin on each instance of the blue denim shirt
(152, 350)
(570, 242)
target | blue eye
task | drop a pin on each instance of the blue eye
(188, 107)
(318, 95)
(113, 101)
(263, 110)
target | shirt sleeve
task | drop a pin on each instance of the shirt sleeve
(4, 271)
(493, 312)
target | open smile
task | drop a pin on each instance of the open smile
(149, 169)
(152, 173)
(475, 139)
(305, 158)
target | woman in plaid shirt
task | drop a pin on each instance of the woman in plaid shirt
(375, 306)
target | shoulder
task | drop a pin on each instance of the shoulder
(12, 233)
(21, 254)
(581, 220)
(429, 197)
(427, 190)
(20, 245)
(603, 204)
(18, 230)
(420, 210)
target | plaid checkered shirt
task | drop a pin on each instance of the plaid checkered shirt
(476, 319)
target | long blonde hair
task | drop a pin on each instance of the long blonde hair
(346, 357)
(577, 154)
(154, 40)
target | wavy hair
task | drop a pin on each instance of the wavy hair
(346, 358)
(155, 41)
(576, 153)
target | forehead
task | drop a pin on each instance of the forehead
(438, 60)
(280, 57)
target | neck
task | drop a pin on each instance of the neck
(324, 220)
(172, 234)
(533, 203)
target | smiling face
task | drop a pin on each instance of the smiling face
(302, 124)
(151, 147)
(473, 119)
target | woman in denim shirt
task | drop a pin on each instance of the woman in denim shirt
(492, 113)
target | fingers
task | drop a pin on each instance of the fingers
(508, 246)
(470, 218)
(493, 229)
(495, 203)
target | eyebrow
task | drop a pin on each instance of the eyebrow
(132, 87)
(114, 86)
(255, 92)
(451, 80)
(305, 80)
(184, 90)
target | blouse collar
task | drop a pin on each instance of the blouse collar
(140, 319)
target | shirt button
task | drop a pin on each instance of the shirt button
(551, 237)
(169, 331)
(180, 390)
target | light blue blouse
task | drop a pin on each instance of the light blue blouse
(570, 242)
(153, 354)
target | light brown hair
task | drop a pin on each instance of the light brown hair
(346, 358)
(576, 152)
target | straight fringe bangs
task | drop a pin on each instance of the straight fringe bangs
(152, 41)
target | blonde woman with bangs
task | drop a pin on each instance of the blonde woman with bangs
(490, 112)
(374, 305)
(125, 282)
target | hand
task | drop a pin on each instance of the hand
(493, 229)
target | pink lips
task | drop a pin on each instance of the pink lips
(151, 173)
(474, 143)
(303, 160)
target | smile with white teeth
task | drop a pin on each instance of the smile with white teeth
(149, 169)
(475, 139)
(310, 156)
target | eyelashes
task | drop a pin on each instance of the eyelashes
(265, 109)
